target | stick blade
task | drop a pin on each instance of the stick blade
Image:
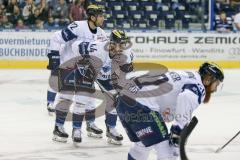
(218, 150)
(187, 130)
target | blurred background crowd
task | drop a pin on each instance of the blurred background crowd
(40, 14)
(128, 14)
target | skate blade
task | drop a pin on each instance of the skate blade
(114, 142)
(93, 135)
(76, 144)
(59, 139)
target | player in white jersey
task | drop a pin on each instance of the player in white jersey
(60, 52)
(153, 100)
(104, 78)
(87, 30)
(76, 77)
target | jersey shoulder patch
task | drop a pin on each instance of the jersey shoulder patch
(67, 34)
(196, 89)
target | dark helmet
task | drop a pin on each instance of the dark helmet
(210, 68)
(94, 10)
(118, 36)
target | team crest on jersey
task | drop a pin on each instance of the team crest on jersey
(106, 68)
(82, 70)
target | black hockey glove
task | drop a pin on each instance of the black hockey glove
(127, 67)
(86, 70)
(175, 132)
(54, 60)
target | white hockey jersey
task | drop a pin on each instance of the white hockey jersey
(78, 30)
(176, 99)
(95, 50)
(106, 71)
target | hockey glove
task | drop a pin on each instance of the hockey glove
(175, 132)
(86, 70)
(54, 60)
(126, 68)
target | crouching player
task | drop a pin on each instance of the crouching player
(119, 42)
(153, 100)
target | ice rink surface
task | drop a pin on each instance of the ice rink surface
(26, 128)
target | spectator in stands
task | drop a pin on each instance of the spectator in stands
(40, 12)
(10, 7)
(20, 25)
(39, 24)
(43, 8)
(50, 24)
(16, 15)
(60, 9)
(36, 15)
(222, 24)
(237, 21)
(3, 9)
(60, 12)
(62, 22)
(52, 3)
(21, 3)
(28, 10)
(5, 23)
(77, 11)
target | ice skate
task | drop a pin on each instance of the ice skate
(113, 136)
(51, 109)
(76, 136)
(93, 130)
(59, 134)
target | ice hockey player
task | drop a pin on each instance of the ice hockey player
(60, 52)
(157, 99)
(78, 74)
(104, 78)
(86, 30)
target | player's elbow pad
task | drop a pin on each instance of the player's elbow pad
(54, 60)
(127, 68)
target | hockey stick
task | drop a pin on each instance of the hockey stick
(187, 130)
(221, 148)
(105, 91)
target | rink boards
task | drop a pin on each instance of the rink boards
(28, 49)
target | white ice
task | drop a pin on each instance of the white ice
(26, 128)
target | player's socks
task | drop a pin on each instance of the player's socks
(50, 100)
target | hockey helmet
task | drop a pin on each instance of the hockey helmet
(212, 69)
(94, 10)
(118, 36)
